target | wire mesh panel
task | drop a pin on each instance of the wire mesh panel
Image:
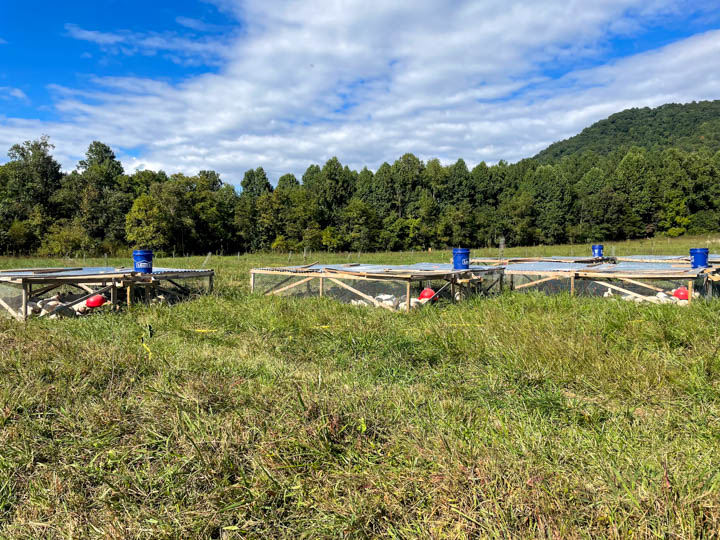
(538, 282)
(76, 291)
(641, 288)
(385, 292)
(283, 285)
(172, 290)
(41, 299)
(644, 289)
(10, 297)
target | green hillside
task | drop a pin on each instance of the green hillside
(688, 126)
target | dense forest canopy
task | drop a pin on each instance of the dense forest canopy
(689, 127)
(639, 173)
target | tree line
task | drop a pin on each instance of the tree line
(407, 205)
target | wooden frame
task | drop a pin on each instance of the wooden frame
(542, 280)
(340, 277)
(90, 283)
(605, 278)
(599, 272)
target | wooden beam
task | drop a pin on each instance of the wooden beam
(39, 270)
(165, 291)
(322, 286)
(370, 275)
(539, 281)
(408, 303)
(36, 294)
(282, 282)
(641, 284)
(113, 294)
(637, 275)
(434, 296)
(182, 287)
(81, 287)
(10, 310)
(361, 294)
(559, 275)
(23, 309)
(691, 285)
(652, 299)
(291, 286)
(487, 289)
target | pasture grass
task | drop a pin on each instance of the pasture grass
(235, 415)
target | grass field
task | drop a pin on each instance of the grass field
(236, 415)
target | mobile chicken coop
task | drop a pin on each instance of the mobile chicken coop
(639, 279)
(393, 287)
(64, 291)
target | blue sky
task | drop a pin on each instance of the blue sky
(229, 84)
(44, 45)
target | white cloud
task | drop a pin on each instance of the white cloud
(197, 24)
(7, 92)
(180, 49)
(368, 81)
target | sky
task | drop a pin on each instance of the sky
(229, 85)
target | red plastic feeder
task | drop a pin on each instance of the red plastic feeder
(427, 294)
(681, 293)
(95, 301)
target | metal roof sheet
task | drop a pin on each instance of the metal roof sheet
(85, 271)
(378, 268)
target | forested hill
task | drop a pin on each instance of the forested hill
(689, 127)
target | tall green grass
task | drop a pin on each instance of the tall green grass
(236, 415)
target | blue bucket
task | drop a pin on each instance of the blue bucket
(142, 259)
(461, 258)
(699, 257)
(597, 250)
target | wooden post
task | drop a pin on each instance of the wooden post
(408, 304)
(23, 312)
(252, 280)
(452, 288)
(322, 286)
(113, 295)
(211, 283)
(690, 291)
(129, 289)
(572, 285)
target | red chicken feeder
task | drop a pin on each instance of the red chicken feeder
(681, 293)
(95, 301)
(427, 294)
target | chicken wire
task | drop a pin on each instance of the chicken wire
(599, 287)
(11, 296)
(172, 290)
(391, 293)
(161, 290)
